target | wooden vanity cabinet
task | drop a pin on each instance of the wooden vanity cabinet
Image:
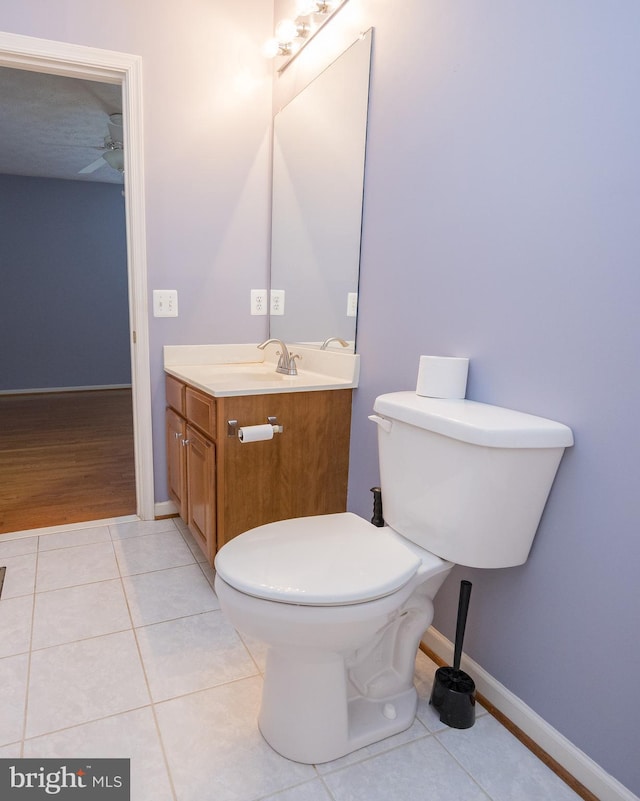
(191, 467)
(230, 486)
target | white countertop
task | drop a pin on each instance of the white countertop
(228, 370)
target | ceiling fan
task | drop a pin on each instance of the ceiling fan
(113, 148)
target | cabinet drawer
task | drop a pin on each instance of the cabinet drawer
(201, 411)
(175, 391)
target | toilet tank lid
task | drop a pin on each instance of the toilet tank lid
(473, 422)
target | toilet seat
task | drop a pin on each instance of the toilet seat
(324, 560)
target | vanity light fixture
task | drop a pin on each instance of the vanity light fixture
(306, 7)
(292, 35)
(289, 35)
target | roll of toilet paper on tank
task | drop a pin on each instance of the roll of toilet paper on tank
(255, 433)
(442, 376)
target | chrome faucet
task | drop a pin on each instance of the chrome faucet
(327, 342)
(287, 361)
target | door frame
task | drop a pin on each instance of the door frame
(107, 66)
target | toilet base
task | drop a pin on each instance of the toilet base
(305, 716)
(337, 678)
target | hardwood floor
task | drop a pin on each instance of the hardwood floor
(65, 457)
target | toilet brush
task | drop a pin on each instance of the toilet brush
(453, 693)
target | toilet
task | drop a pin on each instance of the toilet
(342, 605)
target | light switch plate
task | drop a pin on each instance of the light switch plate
(165, 303)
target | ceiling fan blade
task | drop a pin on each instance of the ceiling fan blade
(95, 165)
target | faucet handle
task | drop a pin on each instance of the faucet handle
(293, 368)
(285, 363)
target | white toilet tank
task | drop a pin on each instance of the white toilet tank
(465, 480)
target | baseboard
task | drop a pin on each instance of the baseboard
(42, 390)
(165, 509)
(63, 527)
(574, 761)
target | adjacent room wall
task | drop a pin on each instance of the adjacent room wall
(501, 214)
(63, 259)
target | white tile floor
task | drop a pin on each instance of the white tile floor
(112, 643)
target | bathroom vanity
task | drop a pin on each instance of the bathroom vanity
(222, 486)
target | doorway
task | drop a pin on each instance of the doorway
(124, 70)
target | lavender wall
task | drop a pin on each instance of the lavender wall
(501, 223)
(207, 117)
(63, 260)
(501, 217)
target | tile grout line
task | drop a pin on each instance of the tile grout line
(461, 766)
(152, 705)
(326, 787)
(251, 656)
(34, 593)
(73, 726)
(368, 757)
(132, 628)
(30, 652)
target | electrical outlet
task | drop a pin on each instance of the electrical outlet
(352, 304)
(277, 302)
(165, 303)
(259, 301)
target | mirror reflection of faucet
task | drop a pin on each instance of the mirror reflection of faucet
(287, 361)
(327, 342)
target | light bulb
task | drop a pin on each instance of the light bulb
(271, 48)
(306, 7)
(286, 30)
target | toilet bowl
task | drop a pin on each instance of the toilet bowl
(342, 604)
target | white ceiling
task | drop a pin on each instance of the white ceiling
(52, 126)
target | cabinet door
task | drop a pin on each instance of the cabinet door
(201, 490)
(302, 471)
(176, 462)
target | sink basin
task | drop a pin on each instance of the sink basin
(225, 376)
(225, 370)
(257, 371)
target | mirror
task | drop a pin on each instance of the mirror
(318, 181)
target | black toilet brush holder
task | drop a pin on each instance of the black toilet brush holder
(453, 694)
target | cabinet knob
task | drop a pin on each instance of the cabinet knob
(177, 434)
(185, 442)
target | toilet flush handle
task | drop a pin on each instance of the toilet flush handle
(384, 424)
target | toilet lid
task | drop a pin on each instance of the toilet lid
(324, 560)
